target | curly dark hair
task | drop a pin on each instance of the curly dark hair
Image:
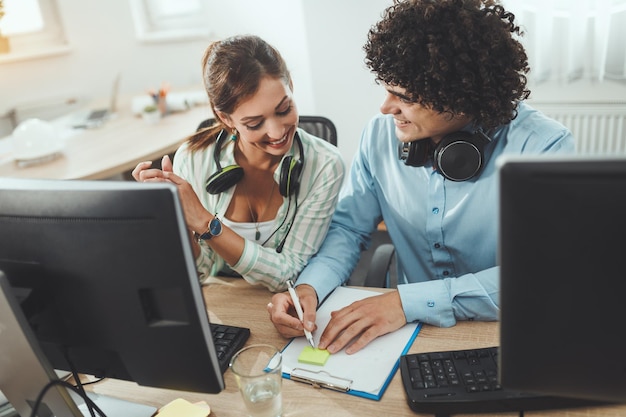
(454, 56)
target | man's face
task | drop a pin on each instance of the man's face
(414, 121)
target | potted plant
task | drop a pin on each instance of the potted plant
(151, 113)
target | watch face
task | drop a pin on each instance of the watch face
(215, 227)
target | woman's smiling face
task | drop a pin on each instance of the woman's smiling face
(267, 120)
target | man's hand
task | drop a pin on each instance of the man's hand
(283, 313)
(364, 321)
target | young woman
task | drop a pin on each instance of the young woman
(258, 192)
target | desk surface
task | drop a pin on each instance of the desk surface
(235, 302)
(113, 148)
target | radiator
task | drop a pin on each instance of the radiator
(599, 128)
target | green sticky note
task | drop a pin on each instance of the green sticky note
(313, 356)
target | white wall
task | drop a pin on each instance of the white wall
(344, 88)
(321, 41)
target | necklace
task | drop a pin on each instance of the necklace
(257, 235)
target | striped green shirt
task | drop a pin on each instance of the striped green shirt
(320, 181)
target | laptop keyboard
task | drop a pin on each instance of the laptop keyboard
(228, 340)
(466, 381)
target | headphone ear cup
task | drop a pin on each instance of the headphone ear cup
(415, 153)
(223, 179)
(290, 176)
(459, 155)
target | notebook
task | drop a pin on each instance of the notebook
(366, 373)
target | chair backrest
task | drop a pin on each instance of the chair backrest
(319, 126)
(205, 123)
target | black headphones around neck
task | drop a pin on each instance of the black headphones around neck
(458, 157)
(224, 178)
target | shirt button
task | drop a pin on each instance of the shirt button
(446, 273)
(430, 303)
(437, 245)
(435, 210)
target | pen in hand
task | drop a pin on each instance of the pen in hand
(296, 303)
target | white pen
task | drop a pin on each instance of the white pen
(296, 303)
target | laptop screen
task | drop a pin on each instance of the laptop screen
(562, 254)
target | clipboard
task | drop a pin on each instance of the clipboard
(366, 373)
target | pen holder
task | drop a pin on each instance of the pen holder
(162, 105)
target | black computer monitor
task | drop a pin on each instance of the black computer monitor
(563, 276)
(105, 276)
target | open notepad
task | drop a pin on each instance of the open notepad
(365, 373)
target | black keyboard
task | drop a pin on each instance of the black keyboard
(466, 381)
(228, 340)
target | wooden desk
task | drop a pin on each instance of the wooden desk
(233, 301)
(113, 148)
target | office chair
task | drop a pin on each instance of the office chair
(379, 273)
(205, 123)
(319, 126)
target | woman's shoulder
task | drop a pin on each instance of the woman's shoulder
(188, 160)
(185, 149)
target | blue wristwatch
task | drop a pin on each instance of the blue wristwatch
(214, 228)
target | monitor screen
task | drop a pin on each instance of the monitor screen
(563, 255)
(105, 276)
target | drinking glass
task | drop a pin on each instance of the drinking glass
(258, 371)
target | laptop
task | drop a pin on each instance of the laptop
(96, 117)
(563, 276)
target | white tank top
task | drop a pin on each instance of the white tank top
(248, 230)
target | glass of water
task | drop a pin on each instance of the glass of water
(258, 371)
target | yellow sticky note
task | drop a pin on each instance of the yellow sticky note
(313, 356)
(180, 407)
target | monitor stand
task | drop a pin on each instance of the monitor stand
(24, 371)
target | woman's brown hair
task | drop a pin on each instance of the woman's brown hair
(232, 71)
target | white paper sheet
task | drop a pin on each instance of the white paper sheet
(371, 367)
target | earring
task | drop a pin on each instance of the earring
(233, 136)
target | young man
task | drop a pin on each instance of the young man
(454, 76)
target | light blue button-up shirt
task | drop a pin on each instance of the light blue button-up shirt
(445, 232)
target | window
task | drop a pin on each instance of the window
(33, 29)
(163, 20)
(570, 40)
(22, 17)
